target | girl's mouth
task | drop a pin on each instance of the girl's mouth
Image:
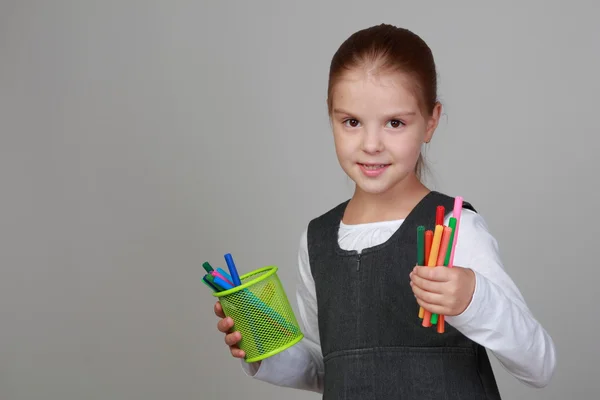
(373, 170)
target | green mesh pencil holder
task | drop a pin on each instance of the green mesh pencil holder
(262, 313)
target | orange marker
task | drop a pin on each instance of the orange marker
(433, 256)
(444, 246)
(440, 324)
(440, 260)
(428, 241)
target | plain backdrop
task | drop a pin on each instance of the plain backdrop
(140, 139)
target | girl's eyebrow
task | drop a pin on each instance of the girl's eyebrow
(397, 114)
(340, 111)
(403, 114)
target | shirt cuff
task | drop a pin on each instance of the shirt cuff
(472, 310)
(251, 369)
(264, 370)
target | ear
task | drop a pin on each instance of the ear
(433, 121)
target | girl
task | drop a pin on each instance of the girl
(359, 289)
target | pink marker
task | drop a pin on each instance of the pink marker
(458, 204)
(216, 274)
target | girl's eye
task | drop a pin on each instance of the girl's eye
(395, 123)
(351, 123)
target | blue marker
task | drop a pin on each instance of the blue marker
(222, 283)
(225, 274)
(235, 278)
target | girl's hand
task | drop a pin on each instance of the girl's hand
(231, 338)
(443, 290)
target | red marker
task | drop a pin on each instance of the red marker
(439, 215)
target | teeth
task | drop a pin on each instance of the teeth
(374, 166)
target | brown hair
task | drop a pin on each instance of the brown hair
(389, 49)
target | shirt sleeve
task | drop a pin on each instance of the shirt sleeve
(498, 317)
(300, 366)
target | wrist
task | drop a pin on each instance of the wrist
(472, 308)
(471, 288)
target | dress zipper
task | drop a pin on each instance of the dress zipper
(358, 261)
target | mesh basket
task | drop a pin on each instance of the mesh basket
(262, 313)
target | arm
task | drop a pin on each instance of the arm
(300, 366)
(498, 317)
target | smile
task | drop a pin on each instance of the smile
(373, 166)
(373, 170)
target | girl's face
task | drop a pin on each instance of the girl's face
(378, 129)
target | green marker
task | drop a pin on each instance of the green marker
(451, 224)
(207, 267)
(421, 245)
(210, 285)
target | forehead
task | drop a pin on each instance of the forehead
(366, 91)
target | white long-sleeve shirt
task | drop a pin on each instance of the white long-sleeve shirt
(497, 317)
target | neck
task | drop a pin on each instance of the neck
(395, 203)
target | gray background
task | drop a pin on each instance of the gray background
(139, 139)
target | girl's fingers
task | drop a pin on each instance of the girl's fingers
(233, 339)
(225, 324)
(440, 274)
(432, 308)
(219, 310)
(427, 285)
(237, 353)
(428, 297)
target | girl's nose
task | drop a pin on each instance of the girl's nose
(372, 142)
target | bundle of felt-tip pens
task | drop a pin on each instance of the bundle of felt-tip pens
(259, 307)
(220, 280)
(436, 248)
